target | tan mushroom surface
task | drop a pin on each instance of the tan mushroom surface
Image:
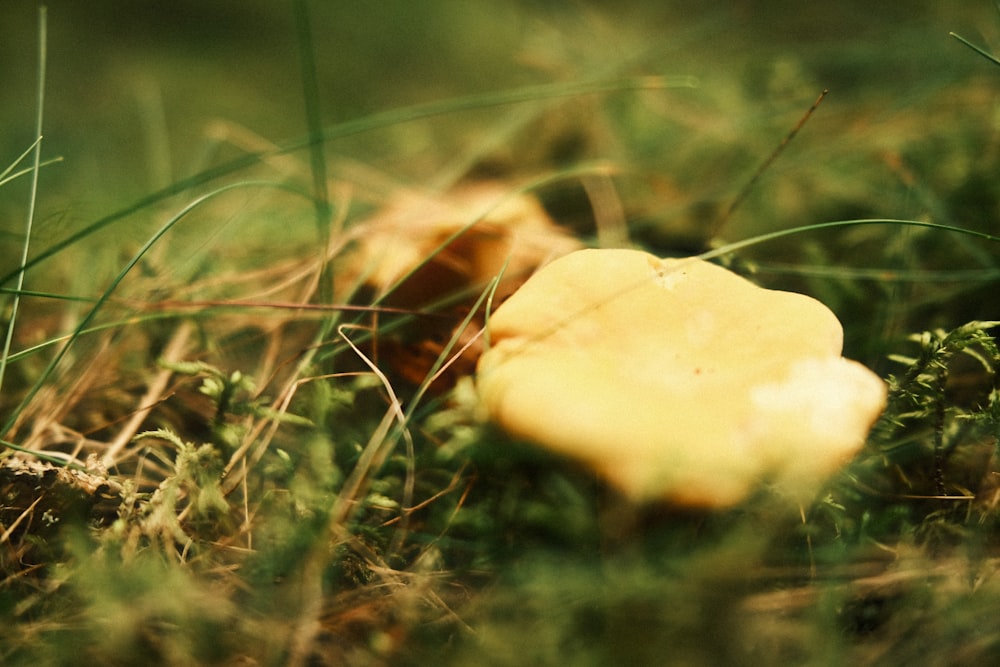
(440, 252)
(676, 379)
(456, 241)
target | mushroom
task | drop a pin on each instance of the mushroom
(456, 241)
(676, 379)
(421, 251)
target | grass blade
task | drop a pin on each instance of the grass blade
(85, 323)
(984, 53)
(42, 47)
(792, 231)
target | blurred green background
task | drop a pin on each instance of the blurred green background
(136, 92)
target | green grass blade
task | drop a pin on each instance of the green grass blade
(314, 119)
(20, 158)
(317, 158)
(7, 176)
(85, 323)
(793, 231)
(984, 53)
(37, 147)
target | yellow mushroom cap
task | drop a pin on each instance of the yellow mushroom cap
(676, 379)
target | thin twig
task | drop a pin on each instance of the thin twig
(743, 193)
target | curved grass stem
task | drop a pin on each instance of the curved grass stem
(37, 147)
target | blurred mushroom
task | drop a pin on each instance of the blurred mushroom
(676, 379)
(420, 251)
(426, 248)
